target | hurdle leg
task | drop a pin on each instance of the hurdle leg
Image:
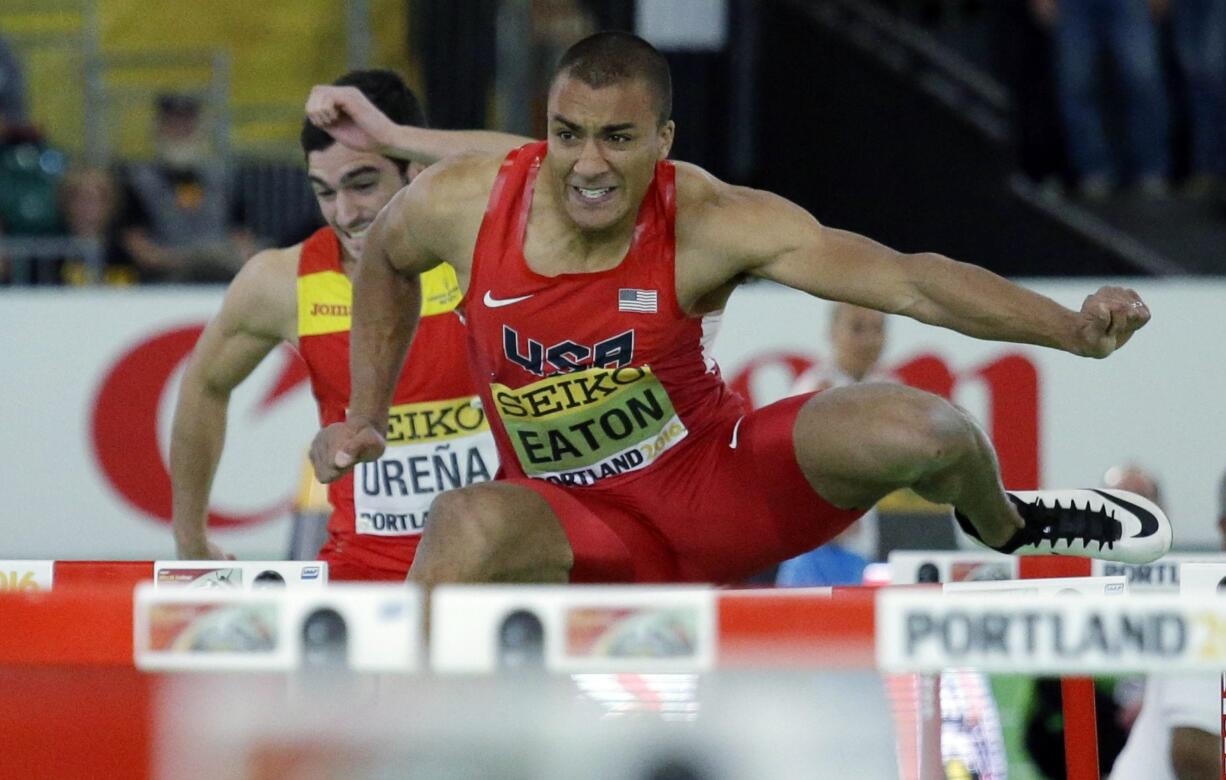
(1076, 693)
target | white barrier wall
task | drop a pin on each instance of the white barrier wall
(89, 380)
(1160, 401)
(89, 385)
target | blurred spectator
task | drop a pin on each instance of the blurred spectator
(1198, 33)
(30, 173)
(1083, 32)
(831, 564)
(857, 337)
(182, 221)
(89, 203)
(1134, 479)
(1117, 701)
(12, 90)
(29, 177)
(1022, 58)
(1178, 731)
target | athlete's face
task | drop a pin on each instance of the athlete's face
(858, 336)
(351, 187)
(603, 148)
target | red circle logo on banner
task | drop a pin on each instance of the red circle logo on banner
(125, 424)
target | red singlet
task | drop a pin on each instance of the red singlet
(607, 402)
(437, 437)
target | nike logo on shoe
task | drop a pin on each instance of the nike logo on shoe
(495, 303)
(1149, 523)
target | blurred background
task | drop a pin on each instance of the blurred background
(1005, 133)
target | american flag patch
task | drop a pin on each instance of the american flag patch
(643, 301)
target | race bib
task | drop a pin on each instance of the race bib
(431, 447)
(585, 426)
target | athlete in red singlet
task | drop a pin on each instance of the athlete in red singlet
(602, 382)
(302, 296)
(438, 437)
(591, 268)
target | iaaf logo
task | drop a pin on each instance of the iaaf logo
(125, 423)
(1012, 415)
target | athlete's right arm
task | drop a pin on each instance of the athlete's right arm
(259, 311)
(433, 220)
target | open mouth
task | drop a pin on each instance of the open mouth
(593, 195)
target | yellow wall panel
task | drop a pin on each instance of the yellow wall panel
(277, 49)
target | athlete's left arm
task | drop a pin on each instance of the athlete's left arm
(761, 234)
(352, 119)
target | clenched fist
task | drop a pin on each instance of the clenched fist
(1108, 318)
(340, 446)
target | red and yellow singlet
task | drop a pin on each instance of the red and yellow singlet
(437, 437)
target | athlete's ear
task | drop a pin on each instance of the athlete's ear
(666, 138)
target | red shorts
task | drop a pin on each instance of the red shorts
(714, 513)
(351, 562)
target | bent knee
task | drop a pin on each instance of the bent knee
(929, 432)
(485, 534)
(464, 514)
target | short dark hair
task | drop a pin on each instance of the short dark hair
(390, 95)
(609, 57)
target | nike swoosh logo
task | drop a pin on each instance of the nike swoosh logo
(495, 303)
(1149, 523)
(735, 428)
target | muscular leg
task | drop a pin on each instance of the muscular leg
(856, 445)
(491, 532)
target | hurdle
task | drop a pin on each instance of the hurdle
(90, 629)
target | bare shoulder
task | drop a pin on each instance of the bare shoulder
(710, 211)
(437, 217)
(725, 232)
(456, 184)
(268, 274)
(263, 298)
(727, 219)
(707, 269)
(697, 189)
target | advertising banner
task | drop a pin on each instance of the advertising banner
(91, 376)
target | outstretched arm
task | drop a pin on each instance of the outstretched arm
(353, 120)
(768, 236)
(255, 316)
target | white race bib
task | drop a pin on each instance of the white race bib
(431, 447)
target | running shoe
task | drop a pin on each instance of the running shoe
(1111, 525)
